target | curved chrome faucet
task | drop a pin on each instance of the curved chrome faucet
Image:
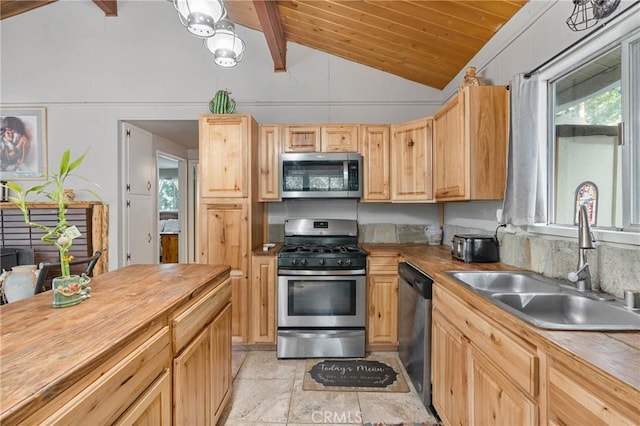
(582, 277)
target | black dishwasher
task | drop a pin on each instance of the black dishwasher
(415, 289)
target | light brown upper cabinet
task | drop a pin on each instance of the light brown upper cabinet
(329, 138)
(411, 161)
(268, 163)
(470, 148)
(339, 138)
(224, 155)
(375, 149)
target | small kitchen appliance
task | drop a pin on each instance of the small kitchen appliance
(321, 175)
(475, 248)
(321, 290)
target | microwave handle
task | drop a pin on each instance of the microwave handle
(345, 175)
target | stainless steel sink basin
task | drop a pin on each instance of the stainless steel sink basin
(506, 282)
(568, 311)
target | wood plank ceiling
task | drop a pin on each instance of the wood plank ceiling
(426, 41)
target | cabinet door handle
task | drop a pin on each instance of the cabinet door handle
(148, 186)
(149, 238)
(411, 143)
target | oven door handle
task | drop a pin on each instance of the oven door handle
(315, 334)
(292, 272)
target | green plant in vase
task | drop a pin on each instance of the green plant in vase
(68, 289)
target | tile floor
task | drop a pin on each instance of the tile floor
(268, 391)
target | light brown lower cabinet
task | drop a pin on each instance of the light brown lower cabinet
(488, 371)
(382, 302)
(153, 407)
(577, 396)
(202, 365)
(482, 374)
(263, 299)
(110, 392)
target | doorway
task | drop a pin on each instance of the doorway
(172, 212)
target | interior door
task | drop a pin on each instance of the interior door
(139, 237)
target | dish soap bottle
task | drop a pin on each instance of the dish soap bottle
(433, 233)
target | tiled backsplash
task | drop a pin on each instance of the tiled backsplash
(614, 267)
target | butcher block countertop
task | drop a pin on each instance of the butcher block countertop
(44, 351)
(617, 354)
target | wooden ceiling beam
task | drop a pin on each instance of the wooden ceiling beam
(9, 8)
(109, 7)
(269, 17)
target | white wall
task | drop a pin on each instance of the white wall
(90, 71)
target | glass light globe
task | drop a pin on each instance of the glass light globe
(225, 45)
(200, 16)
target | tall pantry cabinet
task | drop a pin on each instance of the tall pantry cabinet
(230, 217)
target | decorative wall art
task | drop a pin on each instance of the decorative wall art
(23, 143)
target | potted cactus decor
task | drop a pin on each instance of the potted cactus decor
(221, 103)
(67, 289)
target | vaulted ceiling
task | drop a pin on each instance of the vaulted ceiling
(426, 41)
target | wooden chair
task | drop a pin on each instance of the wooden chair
(46, 268)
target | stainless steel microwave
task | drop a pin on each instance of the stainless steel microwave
(321, 175)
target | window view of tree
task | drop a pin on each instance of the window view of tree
(587, 110)
(168, 195)
(603, 109)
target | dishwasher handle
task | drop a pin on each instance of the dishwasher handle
(421, 282)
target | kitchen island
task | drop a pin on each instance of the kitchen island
(131, 351)
(489, 364)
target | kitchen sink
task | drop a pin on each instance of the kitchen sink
(568, 311)
(547, 303)
(506, 282)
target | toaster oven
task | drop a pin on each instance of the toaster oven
(475, 248)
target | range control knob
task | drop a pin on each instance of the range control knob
(303, 261)
(339, 261)
(294, 261)
(321, 262)
(347, 262)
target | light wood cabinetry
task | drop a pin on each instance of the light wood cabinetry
(231, 220)
(339, 138)
(301, 139)
(498, 383)
(269, 163)
(448, 371)
(263, 300)
(223, 234)
(153, 407)
(224, 155)
(105, 398)
(325, 138)
(411, 161)
(577, 395)
(375, 146)
(202, 366)
(382, 302)
(470, 145)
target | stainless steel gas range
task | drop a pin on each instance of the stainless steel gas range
(321, 290)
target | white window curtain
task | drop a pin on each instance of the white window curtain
(525, 199)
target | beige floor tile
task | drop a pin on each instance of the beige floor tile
(308, 407)
(265, 365)
(392, 407)
(259, 401)
(237, 358)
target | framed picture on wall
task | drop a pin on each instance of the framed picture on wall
(23, 143)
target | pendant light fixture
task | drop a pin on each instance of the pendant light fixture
(200, 16)
(587, 13)
(227, 47)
